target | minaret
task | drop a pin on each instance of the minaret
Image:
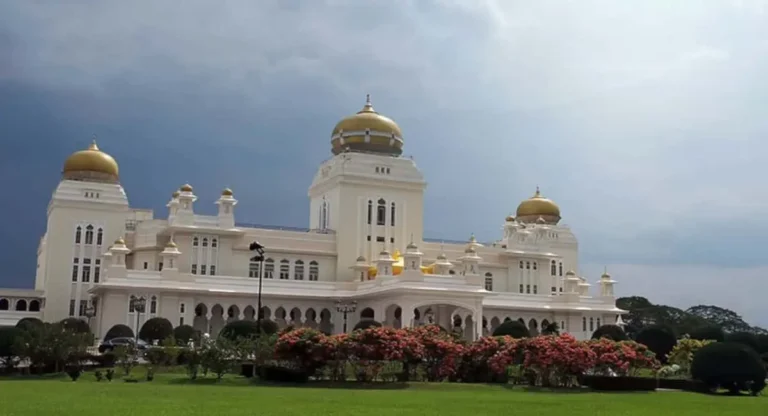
(412, 258)
(170, 256)
(384, 264)
(571, 284)
(606, 285)
(118, 252)
(583, 287)
(442, 265)
(173, 207)
(470, 262)
(361, 268)
(186, 212)
(226, 205)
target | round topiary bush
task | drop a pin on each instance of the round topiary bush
(366, 323)
(708, 332)
(745, 338)
(76, 325)
(247, 329)
(185, 333)
(514, 329)
(119, 331)
(27, 323)
(8, 335)
(156, 329)
(729, 365)
(612, 332)
(659, 339)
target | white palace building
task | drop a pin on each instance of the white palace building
(364, 245)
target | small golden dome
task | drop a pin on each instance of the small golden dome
(119, 241)
(175, 194)
(361, 259)
(171, 244)
(227, 192)
(510, 218)
(367, 131)
(442, 256)
(186, 188)
(411, 246)
(537, 207)
(570, 273)
(91, 164)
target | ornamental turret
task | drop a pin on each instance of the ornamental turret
(412, 258)
(226, 205)
(186, 212)
(361, 268)
(470, 262)
(384, 264)
(442, 266)
(606, 285)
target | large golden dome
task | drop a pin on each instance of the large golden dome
(537, 207)
(91, 164)
(367, 131)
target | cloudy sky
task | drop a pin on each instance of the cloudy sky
(645, 120)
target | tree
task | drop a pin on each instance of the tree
(119, 331)
(659, 339)
(514, 329)
(52, 344)
(730, 366)
(710, 332)
(551, 328)
(726, 319)
(76, 325)
(26, 323)
(156, 329)
(8, 336)
(612, 332)
(745, 338)
(185, 333)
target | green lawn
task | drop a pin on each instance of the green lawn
(173, 395)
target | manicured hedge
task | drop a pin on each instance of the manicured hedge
(708, 332)
(607, 383)
(76, 325)
(156, 329)
(247, 329)
(366, 323)
(728, 365)
(659, 339)
(282, 374)
(514, 329)
(612, 332)
(745, 338)
(119, 331)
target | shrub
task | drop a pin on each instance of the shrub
(682, 354)
(74, 372)
(745, 338)
(442, 353)
(612, 332)
(365, 324)
(659, 339)
(185, 333)
(156, 329)
(75, 325)
(8, 337)
(27, 323)
(623, 358)
(514, 329)
(762, 340)
(487, 359)
(247, 329)
(119, 331)
(729, 365)
(308, 348)
(557, 360)
(710, 332)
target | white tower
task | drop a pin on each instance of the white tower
(606, 286)
(226, 205)
(173, 207)
(384, 264)
(361, 268)
(442, 266)
(185, 215)
(412, 258)
(170, 256)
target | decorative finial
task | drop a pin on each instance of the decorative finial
(367, 99)
(93, 145)
(368, 108)
(472, 238)
(411, 238)
(538, 193)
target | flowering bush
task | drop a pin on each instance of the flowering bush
(682, 353)
(556, 360)
(442, 353)
(621, 358)
(372, 348)
(488, 358)
(308, 348)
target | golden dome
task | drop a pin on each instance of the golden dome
(171, 244)
(186, 188)
(91, 164)
(367, 131)
(537, 207)
(510, 218)
(227, 192)
(119, 241)
(175, 194)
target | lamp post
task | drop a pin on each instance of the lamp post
(259, 249)
(346, 308)
(138, 304)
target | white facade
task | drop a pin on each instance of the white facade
(364, 208)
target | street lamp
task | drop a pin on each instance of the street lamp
(346, 308)
(259, 249)
(138, 304)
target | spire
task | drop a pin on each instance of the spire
(368, 107)
(538, 192)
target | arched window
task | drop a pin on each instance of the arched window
(560, 272)
(598, 322)
(521, 264)
(285, 267)
(584, 324)
(153, 305)
(269, 268)
(78, 234)
(99, 237)
(205, 242)
(4, 304)
(298, 270)
(381, 212)
(591, 324)
(562, 326)
(553, 268)
(195, 242)
(253, 268)
(528, 265)
(214, 243)
(489, 282)
(535, 265)
(34, 306)
(392, 215)
(314, 271)
(21, 305)
(370, 211)
(527, 288)
(89, 234)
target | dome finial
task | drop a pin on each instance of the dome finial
(93, 145)
(368, 107)
(538, 192)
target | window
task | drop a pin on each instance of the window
(584, 324)
(324, 216)
(160, 266)
(521, 264)
(194, 269)
(521, 288)
(370, 211)
(269, 269)
(598, 322)
(314, 271)
(214, 243)
(553, 268)
(89, 234)
(74, 269)
(86, 270)
(82, 308)
(181, 320)
(71, 307)
(392, 240)
(451, 271)
(298, 270)
(131, 309)
(284, 269)
(153, 305)
(4, 304)
(489, 282)
(591, 324)
(99, 237)
(253, 268)
(380, 239)
(213, 270)
(528, 265)
(381, 212)
(392, 215)
(205, 242)
(554, 289)
(182, 309)
(78, 234)
(195, 242)
(535, 289)
(562, 326)
(202, 269)
(535, 265)
(146, 265)
(527, 288)
(97, 271)
(560, 272)
(34, 306)
(21, 305)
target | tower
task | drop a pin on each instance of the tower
(226, 205)
(185, 212)
(88, 209)
(367, 194)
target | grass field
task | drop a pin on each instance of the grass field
(174, 395)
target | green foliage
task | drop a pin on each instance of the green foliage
(126, 356)
(156, 329)
(612, 332)
(365, 324)
(514, 329)
(551, 329)
(76, 325)
(185, 333)
(247, 329)
(659, 339)
(216, 356)
(744, 338)
(683, 353)
(729, 365)
(8, 336)
(119, 331)
(710, 332)
(26, 323)
(52, 344)
(727, 320)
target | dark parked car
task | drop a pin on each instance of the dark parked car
(116, 342)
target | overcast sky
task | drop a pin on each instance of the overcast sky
(645, 120)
